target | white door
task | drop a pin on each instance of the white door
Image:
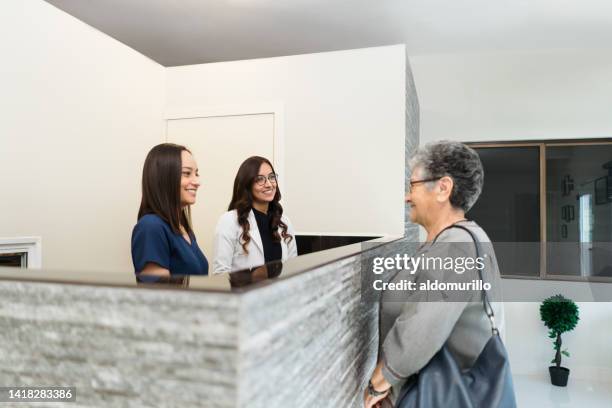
(220, 144)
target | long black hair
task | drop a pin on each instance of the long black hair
(242, 201)
(161, 187)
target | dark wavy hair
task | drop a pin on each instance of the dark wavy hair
(242, 202)
(161, 187)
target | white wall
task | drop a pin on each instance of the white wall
(529, 347)
(531, 351)
(79, 113)
(514, 96)
(344, 130)
(520, 96)
(83, 110)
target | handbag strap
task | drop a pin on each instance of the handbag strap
(485, 299)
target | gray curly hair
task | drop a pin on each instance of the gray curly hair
(459, 162)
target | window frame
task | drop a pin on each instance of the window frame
(542, 145)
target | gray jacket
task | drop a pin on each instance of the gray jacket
(415, 325)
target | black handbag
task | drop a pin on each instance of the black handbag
(442, 382)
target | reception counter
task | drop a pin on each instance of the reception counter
(301, 334)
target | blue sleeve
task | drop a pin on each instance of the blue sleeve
(150, 244)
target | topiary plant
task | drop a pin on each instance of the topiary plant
(560, 315)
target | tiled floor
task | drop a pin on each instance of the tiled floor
(538, 392)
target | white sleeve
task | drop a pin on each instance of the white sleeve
(292, 245)
(224, 244)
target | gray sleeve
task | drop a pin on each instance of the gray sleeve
(417, 335)
(426, 319)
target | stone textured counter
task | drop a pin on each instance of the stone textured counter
(121, 346)
(306, 340)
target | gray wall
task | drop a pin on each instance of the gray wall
(412, 138)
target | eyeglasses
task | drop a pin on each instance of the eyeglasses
(413, 182)
(261, 180)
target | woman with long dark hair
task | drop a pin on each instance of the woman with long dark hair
(163, 242)
(254, 231)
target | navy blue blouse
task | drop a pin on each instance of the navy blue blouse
(154, 241)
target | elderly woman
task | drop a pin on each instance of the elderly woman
(447, 178)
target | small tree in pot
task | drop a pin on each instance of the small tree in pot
(560, 315)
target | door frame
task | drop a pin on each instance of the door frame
(277, 109)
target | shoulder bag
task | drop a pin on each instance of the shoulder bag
(442, 383)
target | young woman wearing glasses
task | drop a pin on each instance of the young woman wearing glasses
(254, 231)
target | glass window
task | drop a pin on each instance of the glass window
(509, 207)
(579, 210)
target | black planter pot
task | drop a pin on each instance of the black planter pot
(558, 375)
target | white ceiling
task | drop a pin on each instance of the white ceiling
(181, 32)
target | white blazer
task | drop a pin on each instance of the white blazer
(228, 253)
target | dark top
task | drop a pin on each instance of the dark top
(272, 250)
(154, 241)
